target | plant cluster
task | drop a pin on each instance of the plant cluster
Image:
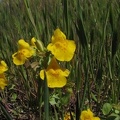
(69, 70)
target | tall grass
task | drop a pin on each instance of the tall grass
(95, 71)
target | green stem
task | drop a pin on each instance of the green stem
(46, 99)
(7, 115)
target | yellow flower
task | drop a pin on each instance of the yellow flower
(3, 81)
(62, 48)
(33, 41)
(24, 52)
(25, 48)
(88, 115)
(56, 77)
(3, 67)
(22, 44)
(19, 58)
(68, 117)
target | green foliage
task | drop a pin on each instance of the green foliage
(106, 108)
(111, 111)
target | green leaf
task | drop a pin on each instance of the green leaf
(113, 116)
(6, 113)
(117, 111)
(106, 108)
(14, 96)
(117, 118)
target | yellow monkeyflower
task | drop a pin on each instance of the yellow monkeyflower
(19, 58)
(25, 48)
(56, 77)
(62, 48)
(3, 81)
(33, 41)
(3, 67)
(22, 44)
(24, 52)
(88, 115)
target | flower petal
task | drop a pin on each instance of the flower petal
(3, 81)
(66, 72)
(96, 118)
(84, 115)
(54, 79)
(42, 76)
(27, 52)
(22, 44)
(58, 36)
(18, 58)
(3, 67)
(53, 64)
(61, 48)
(90, 112)
(33, 41)
(62, 51)
(88, 115)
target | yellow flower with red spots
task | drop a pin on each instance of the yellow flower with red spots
(56, 76)
(3, 81)
(88, 115)
(24, 52)
(62, 48)
(3, 68)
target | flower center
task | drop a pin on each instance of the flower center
(55, 73)
(62, 45)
